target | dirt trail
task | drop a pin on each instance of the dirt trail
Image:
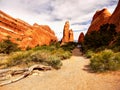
(74, 75)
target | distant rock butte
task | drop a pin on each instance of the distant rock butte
(81, 38)
(103, 17)
(24, 34)
(67, 34)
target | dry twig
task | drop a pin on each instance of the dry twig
(25, 72)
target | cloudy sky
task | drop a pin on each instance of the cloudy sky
(55, 12)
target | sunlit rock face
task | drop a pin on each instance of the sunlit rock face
(81, 38)
(67, 33)
(101, 17)
(23, 34)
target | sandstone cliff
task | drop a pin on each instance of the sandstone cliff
(24, 34)
(103, 17)
(67, 34)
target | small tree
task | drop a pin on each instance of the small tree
(6, 46)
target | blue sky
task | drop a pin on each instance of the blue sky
(55, 12)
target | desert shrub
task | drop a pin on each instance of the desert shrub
(105, 61)
(66, 55)
(51, 47)
(69, 46)
(54, 61)
(38, 56)
(89, 54)
(17, 58)
(61, 53)
(6, 46)
(45, 58)
(47, 55)
(28, 57)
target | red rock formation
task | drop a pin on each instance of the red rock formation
(81, 38)
(101, 17)
(115, 18)
(71, 37)
(67, 34)
(24, 34)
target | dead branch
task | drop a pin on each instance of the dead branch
(25, 72)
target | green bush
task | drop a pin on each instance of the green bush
(17, 58)
(89, 54)
(69, 46)
(105, 61)
(47, 55)
(45, 58)
(28, 57)
(61, 53)
(38, 56)
(6, 47)
(54, 61)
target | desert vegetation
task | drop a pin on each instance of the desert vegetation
(102, 47)
(7, 47)
(105, 60)
(46, 55)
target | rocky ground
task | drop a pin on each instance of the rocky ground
(74, 75)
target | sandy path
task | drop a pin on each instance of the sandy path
(72, 76)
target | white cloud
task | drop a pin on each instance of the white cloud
(55, 12)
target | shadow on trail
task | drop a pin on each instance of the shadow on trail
(88, 69)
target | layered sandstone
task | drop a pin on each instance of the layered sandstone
(24, 34)
(81, 38)
(67, 34)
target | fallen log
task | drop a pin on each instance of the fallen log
(25, 72)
